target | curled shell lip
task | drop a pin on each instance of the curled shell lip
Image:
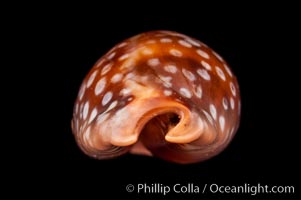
(177, 134)
(141, 112)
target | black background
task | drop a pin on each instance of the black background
(258, 46)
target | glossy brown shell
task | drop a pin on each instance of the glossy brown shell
(159, 93)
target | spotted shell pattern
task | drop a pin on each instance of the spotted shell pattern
(159, 93)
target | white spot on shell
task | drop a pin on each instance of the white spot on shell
(225, 103)
(129, 76)
(122, 45)
(208, 117)
(100, 62)
(153, 62)
(100, 86)
(85, 110)
(112, 105)
(167, 84)
(125, 91)
(198, 92)
(116, 78)
(106, 68)
(135, 38)
(204, 74)
(123, 57)
(220, 73)
(206, 65)
(184, 43)
(218, 56)
(128, 64)
(166, 80)
(173, 34)
(147, 51)
(93, 115)
(202, 53)
(213, 111)
(175, 52)
(188, 74)
(221, 122)
(185, 92)
(170, 68)
(167, 92)
(193, 42)
(232, 104)
(228, 70)
(165, 40)
(232, 88)
(82, 91)
(91, 78)
(106, 98)
(110, 56)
